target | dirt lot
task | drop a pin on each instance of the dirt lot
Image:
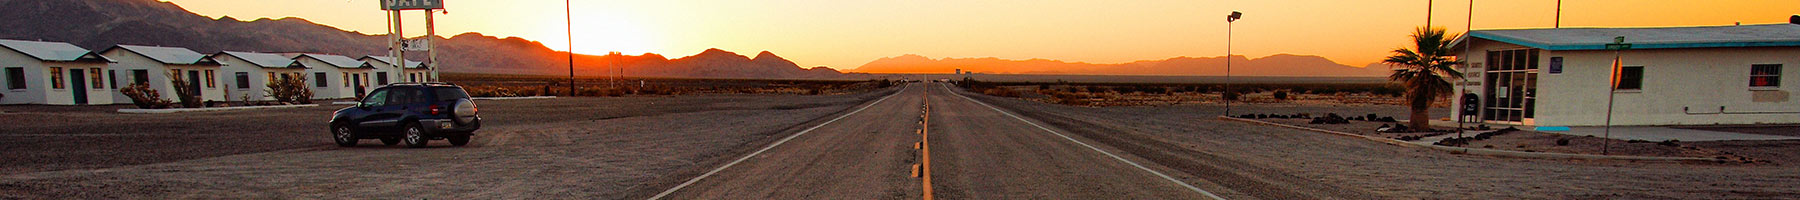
(1531, 141)
(1188, 138)
(588, 147)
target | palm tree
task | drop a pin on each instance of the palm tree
(1426, 71)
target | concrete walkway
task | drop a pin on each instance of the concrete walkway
(1646, 133)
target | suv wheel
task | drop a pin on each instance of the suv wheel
(343, 135)
(390, 141)
(459, 140)
(415, 136)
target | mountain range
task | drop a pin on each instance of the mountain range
(1280, 65)
(99, 24)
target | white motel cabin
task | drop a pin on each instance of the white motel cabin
(53, 73)
(386, 73)
(1670, 76)
(335, 76)
(249, 73)
(156, 66)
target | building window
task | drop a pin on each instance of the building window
(175, 74)
(1631, 78)
(320, 82)
(381, 78)
(140, 77)
(112, 78)
(209, 79)
(1765, 76)
(56, 79)
(346, 79)
(96, 79)
(15, 78)
(271, 77)
(243, 80)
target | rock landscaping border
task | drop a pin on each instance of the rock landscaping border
(1481, 151)
(180, 110)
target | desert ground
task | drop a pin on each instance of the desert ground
(851, 145)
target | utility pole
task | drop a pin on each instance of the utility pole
(1558, 14)
(1468, 41)
(569, 24)
(1428, 13)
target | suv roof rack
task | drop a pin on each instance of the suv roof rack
(424, 83)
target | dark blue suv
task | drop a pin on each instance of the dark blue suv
(414, 113)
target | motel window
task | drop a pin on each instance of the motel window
(1631, 78)
(112, 78)
(1765, 76)
(95, 78)
(56, 79)
(271, 77)
(175, 74)
(15, 78)
(320, 79)
(140, 77)
(346, 79)
(381, 78)
(209, 79)
(243, 80)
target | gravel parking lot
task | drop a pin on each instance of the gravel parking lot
(590, 147)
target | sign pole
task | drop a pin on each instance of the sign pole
(1612, 89)
(430, 46)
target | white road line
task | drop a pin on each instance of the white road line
(1115, 157)
(771, 146)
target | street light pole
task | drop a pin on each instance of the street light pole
(1229, 19)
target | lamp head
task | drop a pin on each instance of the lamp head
(1234, 16)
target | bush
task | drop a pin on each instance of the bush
(1281, 95)
(290, 90)
(144, 97)
(1562, 142)
(1231, 95)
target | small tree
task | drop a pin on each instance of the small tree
(289, 90)
(1281, 95)
(184, 91)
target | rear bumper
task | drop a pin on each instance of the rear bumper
(450, 127)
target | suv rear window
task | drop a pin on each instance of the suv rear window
(449, 93)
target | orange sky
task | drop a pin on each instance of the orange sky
(845, 34)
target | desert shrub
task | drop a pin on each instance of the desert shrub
(1231, 95)
(184, 92)
(1000, 92)
(143, 97)
(1281, 95)
(1672, 143)
(1562, 142)
(289, 90)
(884, 83)
(1043, 87)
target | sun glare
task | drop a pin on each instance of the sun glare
(599, 35)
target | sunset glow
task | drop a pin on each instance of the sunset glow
(847, 34)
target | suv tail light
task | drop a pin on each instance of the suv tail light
(434, 109)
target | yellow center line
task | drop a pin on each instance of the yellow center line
(925, 145)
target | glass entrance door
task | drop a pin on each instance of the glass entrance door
(1511, 87)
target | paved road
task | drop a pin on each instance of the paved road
(977, 152)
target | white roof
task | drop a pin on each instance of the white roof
(334, 60)
(167, 55)
(1764, 35)
(51, 51)
(265, 60)
(384, 60)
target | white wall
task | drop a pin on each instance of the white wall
(1701, 80)
(258, 78)
(159, 76)
(38, 86)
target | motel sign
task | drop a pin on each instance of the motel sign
(411, 4)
